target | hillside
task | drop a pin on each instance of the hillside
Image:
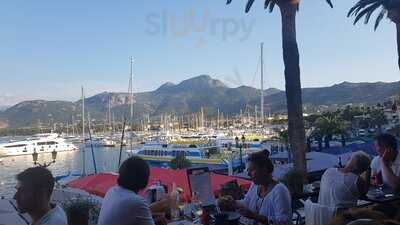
(190, 96)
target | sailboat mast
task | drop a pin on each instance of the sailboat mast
(131, 87)
(262, 84)
(218, 120)
(83, 134)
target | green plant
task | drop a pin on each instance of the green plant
(81, 211)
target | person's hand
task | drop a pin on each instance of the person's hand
(227, 203)
(159, 219)
(387, 156)
(244, 211)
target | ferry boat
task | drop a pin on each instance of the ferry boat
(162, 152)
(40, 143)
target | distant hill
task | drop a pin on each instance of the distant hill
(190, 96)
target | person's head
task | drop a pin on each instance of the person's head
(260, 168)
(359, 162)
(134, 174)
(34, 188)
(383, 142)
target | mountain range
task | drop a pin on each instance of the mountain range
(190, 96)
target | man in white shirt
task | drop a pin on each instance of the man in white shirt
(122, 205)
(34, 189)
(387, 163)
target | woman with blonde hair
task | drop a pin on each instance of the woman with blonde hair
(341, 187)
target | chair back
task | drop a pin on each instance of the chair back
(317, 214)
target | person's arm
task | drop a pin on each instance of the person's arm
(245, 212)
(160, 206)
(375, 169)
(245, 202)
(283, 206)
(394, 181)
(141, 212)
(363, 182)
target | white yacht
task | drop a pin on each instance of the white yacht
(40, 143)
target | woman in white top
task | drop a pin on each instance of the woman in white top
(267, 201)
(341, 187)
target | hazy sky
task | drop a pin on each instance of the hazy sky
(48, 48)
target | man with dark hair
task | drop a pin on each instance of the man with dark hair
(34, 188)
(122, 205)
(386, 166)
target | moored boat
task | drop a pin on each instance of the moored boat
(40, 143)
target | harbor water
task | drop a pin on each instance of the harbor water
(66, 162)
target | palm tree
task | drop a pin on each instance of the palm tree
(291, 59)
(391, 8)
(328, 125)
(180, 162)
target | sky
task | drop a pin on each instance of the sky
(49, 49)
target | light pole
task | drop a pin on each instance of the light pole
(35, 159)
(241, 147)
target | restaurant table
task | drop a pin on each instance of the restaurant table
(381, 195)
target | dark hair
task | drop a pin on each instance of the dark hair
(39, 178)
(386, 141)
(134, 174)
(261, 160)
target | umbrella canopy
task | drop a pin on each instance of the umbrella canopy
(100, 183)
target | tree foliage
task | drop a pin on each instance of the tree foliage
(180, 162)
(365, 8)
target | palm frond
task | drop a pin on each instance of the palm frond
(367, 16)
(329, 3)
(266, 3)
(380, 17)
(360, 5)
(269, 4)
(366, 10)
(248, 5)
(272, 5)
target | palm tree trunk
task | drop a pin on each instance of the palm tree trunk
(293, 87)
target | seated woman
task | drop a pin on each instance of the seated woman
(267, 201)
(341, 187)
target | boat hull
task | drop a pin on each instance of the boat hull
(192, 160)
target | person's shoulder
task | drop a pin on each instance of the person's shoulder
(112, 190)
(281, 188)
(281, 193)
(375, 163)
(134, 200)
(329, 173)
(253, 187)
(57, 217)
(332, 170)
(375, 159)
